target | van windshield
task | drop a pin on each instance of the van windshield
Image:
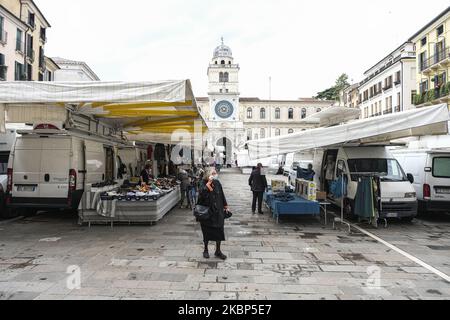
(387, 169)
(441, 167)
(4, 162)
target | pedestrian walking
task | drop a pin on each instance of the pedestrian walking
(185, 184)
(258, 183)
(213, 197)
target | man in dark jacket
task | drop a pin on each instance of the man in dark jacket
(258, 183)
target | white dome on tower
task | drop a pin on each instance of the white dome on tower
(223, 51)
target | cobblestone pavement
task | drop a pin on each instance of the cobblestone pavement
(297, 259)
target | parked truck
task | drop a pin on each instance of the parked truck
(399, 199)
(431, 171)
(49, 168)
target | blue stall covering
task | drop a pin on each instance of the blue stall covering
(296, 206)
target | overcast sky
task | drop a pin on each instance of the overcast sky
(302, 45)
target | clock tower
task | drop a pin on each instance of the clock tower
(223, 77)
(226, 127)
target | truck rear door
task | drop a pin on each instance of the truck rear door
(439, 179)
(55, 167)
(26, 168)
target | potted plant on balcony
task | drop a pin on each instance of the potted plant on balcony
(431, 95)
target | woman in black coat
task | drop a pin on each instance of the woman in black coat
(212, 196)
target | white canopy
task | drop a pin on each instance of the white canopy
(426, 121)
(150, 110)
(333, 115)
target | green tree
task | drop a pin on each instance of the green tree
(333, 92)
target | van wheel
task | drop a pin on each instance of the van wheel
(8, 213)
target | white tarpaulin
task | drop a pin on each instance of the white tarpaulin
(426, 121)
(24, 92)
(144, 109)
(333, 116)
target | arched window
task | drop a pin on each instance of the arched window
(277, 113)
(222, 62)
(263, 133)
(303, 113)
(263, 113)
(291, 131)
(277, 132)
(291, 113)
(215, 62)
(221, 77)
(249, 113)
(226, 77)
(319, 110)
(249, 134)
(229, 62)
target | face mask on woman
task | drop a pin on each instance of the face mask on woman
(214, 177)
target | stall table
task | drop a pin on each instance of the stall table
(297, 206)
(134, 211)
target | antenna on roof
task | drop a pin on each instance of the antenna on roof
(221, 40)
(270, 88)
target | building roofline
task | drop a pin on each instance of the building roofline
(253, 99)
(23, 24)
(398, 48)
(38, 10)
(77, 63)
(429, 24)
(53, 62)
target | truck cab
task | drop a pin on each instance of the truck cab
(431, 171)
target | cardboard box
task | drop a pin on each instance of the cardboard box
(321, 196)
(278, 186)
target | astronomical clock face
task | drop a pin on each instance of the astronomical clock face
(224, 109)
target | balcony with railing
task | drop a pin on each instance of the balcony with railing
(439, 94)
(388, 111)
(440, 59)
(3, 37)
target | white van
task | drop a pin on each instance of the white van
(49, 168)
(398, 195)
(7, 140)
(431, 171)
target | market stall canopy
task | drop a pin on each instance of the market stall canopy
(143, 109)
(333, 116)
(418, 122)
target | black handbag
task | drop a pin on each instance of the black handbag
(202, 213)
(228, 214)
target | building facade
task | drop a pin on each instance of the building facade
(50, 68)
(433, 61)
(390, 85)
(233, 120)
(24, 48)
(70, 70)
(349, 97)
